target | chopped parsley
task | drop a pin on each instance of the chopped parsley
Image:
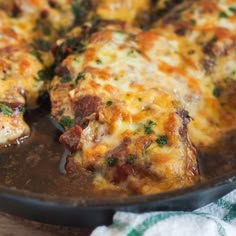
(233, 10)
(43, 26)
(130, 158)
(66, 78)
(151, 123)
(6, 109)
(214, 40)
(41, 75)
(37, 55)
(132, 53)
(75, 44)
(67, 122)
(98, 61)
(60, 112)
(111, 161)
(162, 140)
(148, 127)
(47, 30)
(193, 22)
(95, 20)
(42, 45)
(45, 74)
(109, 103)
(217, 91)
(223, 15)
(21, 110)
(80, 76)
(80, 11)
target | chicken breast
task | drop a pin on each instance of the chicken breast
(205, 33)
(27, 29)
(128, 96)
(122, 119)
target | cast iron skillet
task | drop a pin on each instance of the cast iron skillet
(92, 212)
(31, 185)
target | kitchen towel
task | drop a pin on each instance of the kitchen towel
(215, 219)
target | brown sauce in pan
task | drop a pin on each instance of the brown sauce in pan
(37, 164)
(219, 158)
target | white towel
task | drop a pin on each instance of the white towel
(215, 219)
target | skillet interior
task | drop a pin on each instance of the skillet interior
(33, 183)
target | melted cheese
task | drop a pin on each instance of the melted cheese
(135, 91)
(125, 10)
(209, 36)
(145, 78)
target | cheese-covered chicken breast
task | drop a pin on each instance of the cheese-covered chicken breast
(121, 119)
(127, 98)
(205, 35)
(27, 29)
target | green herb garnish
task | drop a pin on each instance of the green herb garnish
(66, 122)
(162, 140)
(233, 10)
(98, 61)
(80, 76)
(60, 112)
(151, 123)
(47, 30)
(130, 158)
(223, 15)
(21, 110)
(148, 130)
(6, 109)
(45, 74)
(37, 55)
(42, 45)
(148, 127)
(109, 103)
(111, 161)
(66, 78)
(132, 53)
(217, 91)
(80, 11)
(193, 22)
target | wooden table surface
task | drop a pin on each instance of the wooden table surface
(15, 226)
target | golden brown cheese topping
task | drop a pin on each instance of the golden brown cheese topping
(205, 32)
(128, 120)
(27, 29)
(132, 11)
(131, 101)
(131, 94)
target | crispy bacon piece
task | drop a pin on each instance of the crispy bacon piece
(71, 138)
(85, 108)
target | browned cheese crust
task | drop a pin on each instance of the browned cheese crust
(131, 93)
